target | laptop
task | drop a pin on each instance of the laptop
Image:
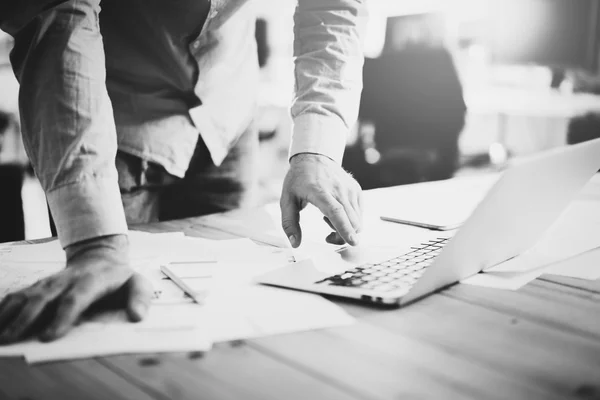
(524, 202)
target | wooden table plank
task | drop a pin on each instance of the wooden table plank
(226, 372)
(583, 284)
(381, 364)
(553, 360)
(187, 226)
(85, 379)
(554, 305)
(542, 342)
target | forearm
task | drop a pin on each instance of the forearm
(67, 123)
(329, 59)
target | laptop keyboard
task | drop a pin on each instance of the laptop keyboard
(397, 273)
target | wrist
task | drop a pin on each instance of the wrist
(299, 157)
(112, 243)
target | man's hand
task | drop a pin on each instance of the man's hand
(318, 180)
(97, 270)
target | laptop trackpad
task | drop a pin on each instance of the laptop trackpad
(305, 273)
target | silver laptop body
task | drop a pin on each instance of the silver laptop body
(525, 201)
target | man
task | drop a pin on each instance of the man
(171, 85)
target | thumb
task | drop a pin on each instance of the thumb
(140, 294)
(290, 220)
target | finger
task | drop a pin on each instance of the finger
(71, 305)
(336, 213)
(335, 238)
(140, 294)
(38, 297)
(290, 219)
(355, 201)
(352, 214)
(10, 306)
(329, 223)
(23, 319)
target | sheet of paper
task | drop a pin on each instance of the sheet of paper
(583, 266)
(22, 265)
(174, 246)
(16, 276)
(255, 311)
(48, 252)
(165, 329)
(259, 226)
(171, 246)
(237, 308)
(174, 322)
(576, 231)
(503, 280)
(264, 226)
(564, 249)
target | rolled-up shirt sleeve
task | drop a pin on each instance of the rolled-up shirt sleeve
(67, 120)
(328, 52)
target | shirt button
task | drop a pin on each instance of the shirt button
(196, 44)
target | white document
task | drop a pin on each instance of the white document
(576, 231)
(22, 265)
(504, 280)
(170, 246)
(48, 252)
(258, 225)
(165, 329)
(263, 225)
(174, 323)
(238, 308)
(558, 251)
(583, 266)
(16, 276)
(255, 311)
(568, 248)
(235, 308)
(173, 246)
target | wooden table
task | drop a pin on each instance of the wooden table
(541, 342)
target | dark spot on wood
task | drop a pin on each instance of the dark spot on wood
(149, 362)
(587, 392)
(514, 321)
(194, 355)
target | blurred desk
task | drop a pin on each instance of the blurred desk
(541, 342)
(525, 121)
(530, 103)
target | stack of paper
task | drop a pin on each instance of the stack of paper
(583, 266)
(235, 309)
(165, 329)
(171, 246)
(576, 232)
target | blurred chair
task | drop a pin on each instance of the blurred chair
(413, 96)
(584, 128)
(12, 222)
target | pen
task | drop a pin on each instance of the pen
(421, 224)
(180, 279)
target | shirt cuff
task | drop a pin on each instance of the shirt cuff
(319, 134)
(88, 208)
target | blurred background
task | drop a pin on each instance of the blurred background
(451, 87)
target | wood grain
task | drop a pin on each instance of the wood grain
(541, 342)
(87, 379)
(229, 371)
